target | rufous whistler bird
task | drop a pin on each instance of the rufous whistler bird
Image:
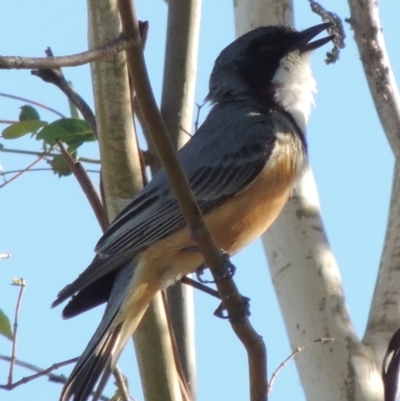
(241, 165)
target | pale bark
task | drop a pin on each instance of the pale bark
(177, 102)
(117, 141)
(308, 286)
(122, 178)
(384, 317)
(307, 279)
(252, 14)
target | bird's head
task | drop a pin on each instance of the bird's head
(270, 64)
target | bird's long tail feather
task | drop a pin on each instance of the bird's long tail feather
(101, 354)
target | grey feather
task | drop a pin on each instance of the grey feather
(216, 170)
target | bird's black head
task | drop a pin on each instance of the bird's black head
(249, 65)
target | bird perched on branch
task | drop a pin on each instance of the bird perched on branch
(241, 165)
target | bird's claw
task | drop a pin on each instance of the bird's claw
(227, 271)
(239, 317)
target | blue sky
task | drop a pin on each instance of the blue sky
(50, 230)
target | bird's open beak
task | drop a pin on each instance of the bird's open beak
(304, 44)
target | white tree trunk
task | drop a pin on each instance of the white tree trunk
(306, 276)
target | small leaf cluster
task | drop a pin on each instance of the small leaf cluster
(73, 132)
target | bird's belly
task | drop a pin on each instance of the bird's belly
(247, 215)
(234, 224)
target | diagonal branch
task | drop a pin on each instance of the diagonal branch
(39, 373)
(383, 318)
(56, 77)
(87, 187)
(232, 300)
(378, 71)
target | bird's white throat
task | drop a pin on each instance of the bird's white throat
(295, 86)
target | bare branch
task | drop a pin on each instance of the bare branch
(120, 379)
(212, 255)
(40, 157)
(378, 71)
(177, 99)
(199, 286)
(33, 153)
(22, 99)
(87, 187)
(56, 77)
(183, 384)
(40, 373)
(8, 121)
(383, 319)
(108, 50)
(21, 284)
(291, 356)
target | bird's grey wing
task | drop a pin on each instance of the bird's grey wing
(226, 154)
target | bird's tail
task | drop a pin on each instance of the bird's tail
(101, 354)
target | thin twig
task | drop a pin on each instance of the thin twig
(185, 391)
(23, 99)
(33, 153)
(232, 299)
(56, 77)
(87, 187)
(39, 373)
(41, 169)
(291, 356)
(8, 121)
(21, 284)
(144, 31)
(28, 63)
(41, 156)
(199, 286)
(123, 392)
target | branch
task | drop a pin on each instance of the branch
(39, 373)
(214, 259)
(33, 153)
(383, 318)
(296, 351)
(371, 44)
(108, 50)
(178, 92)
(21, 284)
(183, 379)
(40, 157)
(122, 388)
(22, 99)
(87, 187)
(56, 77)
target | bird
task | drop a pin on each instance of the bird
(241, 164)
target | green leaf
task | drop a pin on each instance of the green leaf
(28, 113)
(5, 326)
(22, 128)
(72, 131)
(59, 166)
